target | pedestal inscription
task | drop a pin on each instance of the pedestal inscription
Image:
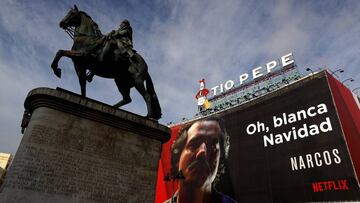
(64, 157)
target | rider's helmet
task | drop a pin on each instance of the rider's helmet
(125, 22)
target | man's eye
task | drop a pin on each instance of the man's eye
(191, 146)
(210, 145)
(214, 144)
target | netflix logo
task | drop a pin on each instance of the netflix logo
(330, 185)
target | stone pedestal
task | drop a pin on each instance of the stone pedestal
(76, 149)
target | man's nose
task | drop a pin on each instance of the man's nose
(202, 151)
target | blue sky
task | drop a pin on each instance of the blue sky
(182, 42)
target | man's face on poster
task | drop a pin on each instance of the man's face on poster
(199, 160)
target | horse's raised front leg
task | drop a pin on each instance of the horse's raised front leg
(59, 54)
(54, 64)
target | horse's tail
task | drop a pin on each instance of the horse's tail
(155, 102)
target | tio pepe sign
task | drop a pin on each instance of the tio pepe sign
(284, 61)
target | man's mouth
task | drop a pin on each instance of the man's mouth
(199, 163)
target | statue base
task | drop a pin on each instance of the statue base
(76, 149)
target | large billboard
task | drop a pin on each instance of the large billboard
(287, 146)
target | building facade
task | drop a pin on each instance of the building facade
(298, 143)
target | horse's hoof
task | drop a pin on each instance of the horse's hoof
(89, 79)
(153, 117)
(57, 72)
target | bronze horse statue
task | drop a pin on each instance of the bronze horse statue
(85, 52)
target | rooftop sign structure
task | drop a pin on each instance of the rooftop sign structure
(262, 80)
(256, 73)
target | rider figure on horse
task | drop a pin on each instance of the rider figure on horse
(123, 39)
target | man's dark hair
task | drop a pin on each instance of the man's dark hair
(181, 139)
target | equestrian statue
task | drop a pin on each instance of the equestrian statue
(108, 56)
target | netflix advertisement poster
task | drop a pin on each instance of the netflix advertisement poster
(288, 146)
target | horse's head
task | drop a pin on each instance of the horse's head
(82, 22)
(72, 19)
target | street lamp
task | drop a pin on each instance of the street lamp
(349, 79)
(334, 72)
(309, 69)
(355, 89)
